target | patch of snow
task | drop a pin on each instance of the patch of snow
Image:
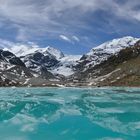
(35, 74)
(104, 77)
(23, 73)
(118, 78)
(60, 85)
(54, 80)
(26, 81)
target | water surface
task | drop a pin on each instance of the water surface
(69, 114)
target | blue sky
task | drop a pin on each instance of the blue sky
(73, 26)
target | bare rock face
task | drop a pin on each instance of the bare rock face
(11, 58)
(39, 59)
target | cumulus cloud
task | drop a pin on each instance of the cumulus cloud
(36, 18)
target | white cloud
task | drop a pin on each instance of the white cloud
(60, 16)
(75, 38)
(65, 38)
(71, 39)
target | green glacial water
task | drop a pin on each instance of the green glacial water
(69, 113)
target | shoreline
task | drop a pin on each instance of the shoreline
(56, 86)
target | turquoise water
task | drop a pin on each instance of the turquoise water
(69, 114)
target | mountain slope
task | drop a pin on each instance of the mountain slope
(12, 69)
(35, 57)
(104, 51)
(121, 69)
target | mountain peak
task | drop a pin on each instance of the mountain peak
(22, 49)
(115, 45)
(55, 52)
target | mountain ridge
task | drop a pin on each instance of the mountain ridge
(48, 66)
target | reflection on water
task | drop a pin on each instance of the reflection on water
(69, 113)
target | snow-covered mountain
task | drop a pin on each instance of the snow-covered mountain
(29, 63)
(36, 57)
(24, 49)
(115, 45)
(12, 69)
(102, 52)
(58, 66)
(120, 69)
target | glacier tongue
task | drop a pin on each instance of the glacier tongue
(66, 65)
